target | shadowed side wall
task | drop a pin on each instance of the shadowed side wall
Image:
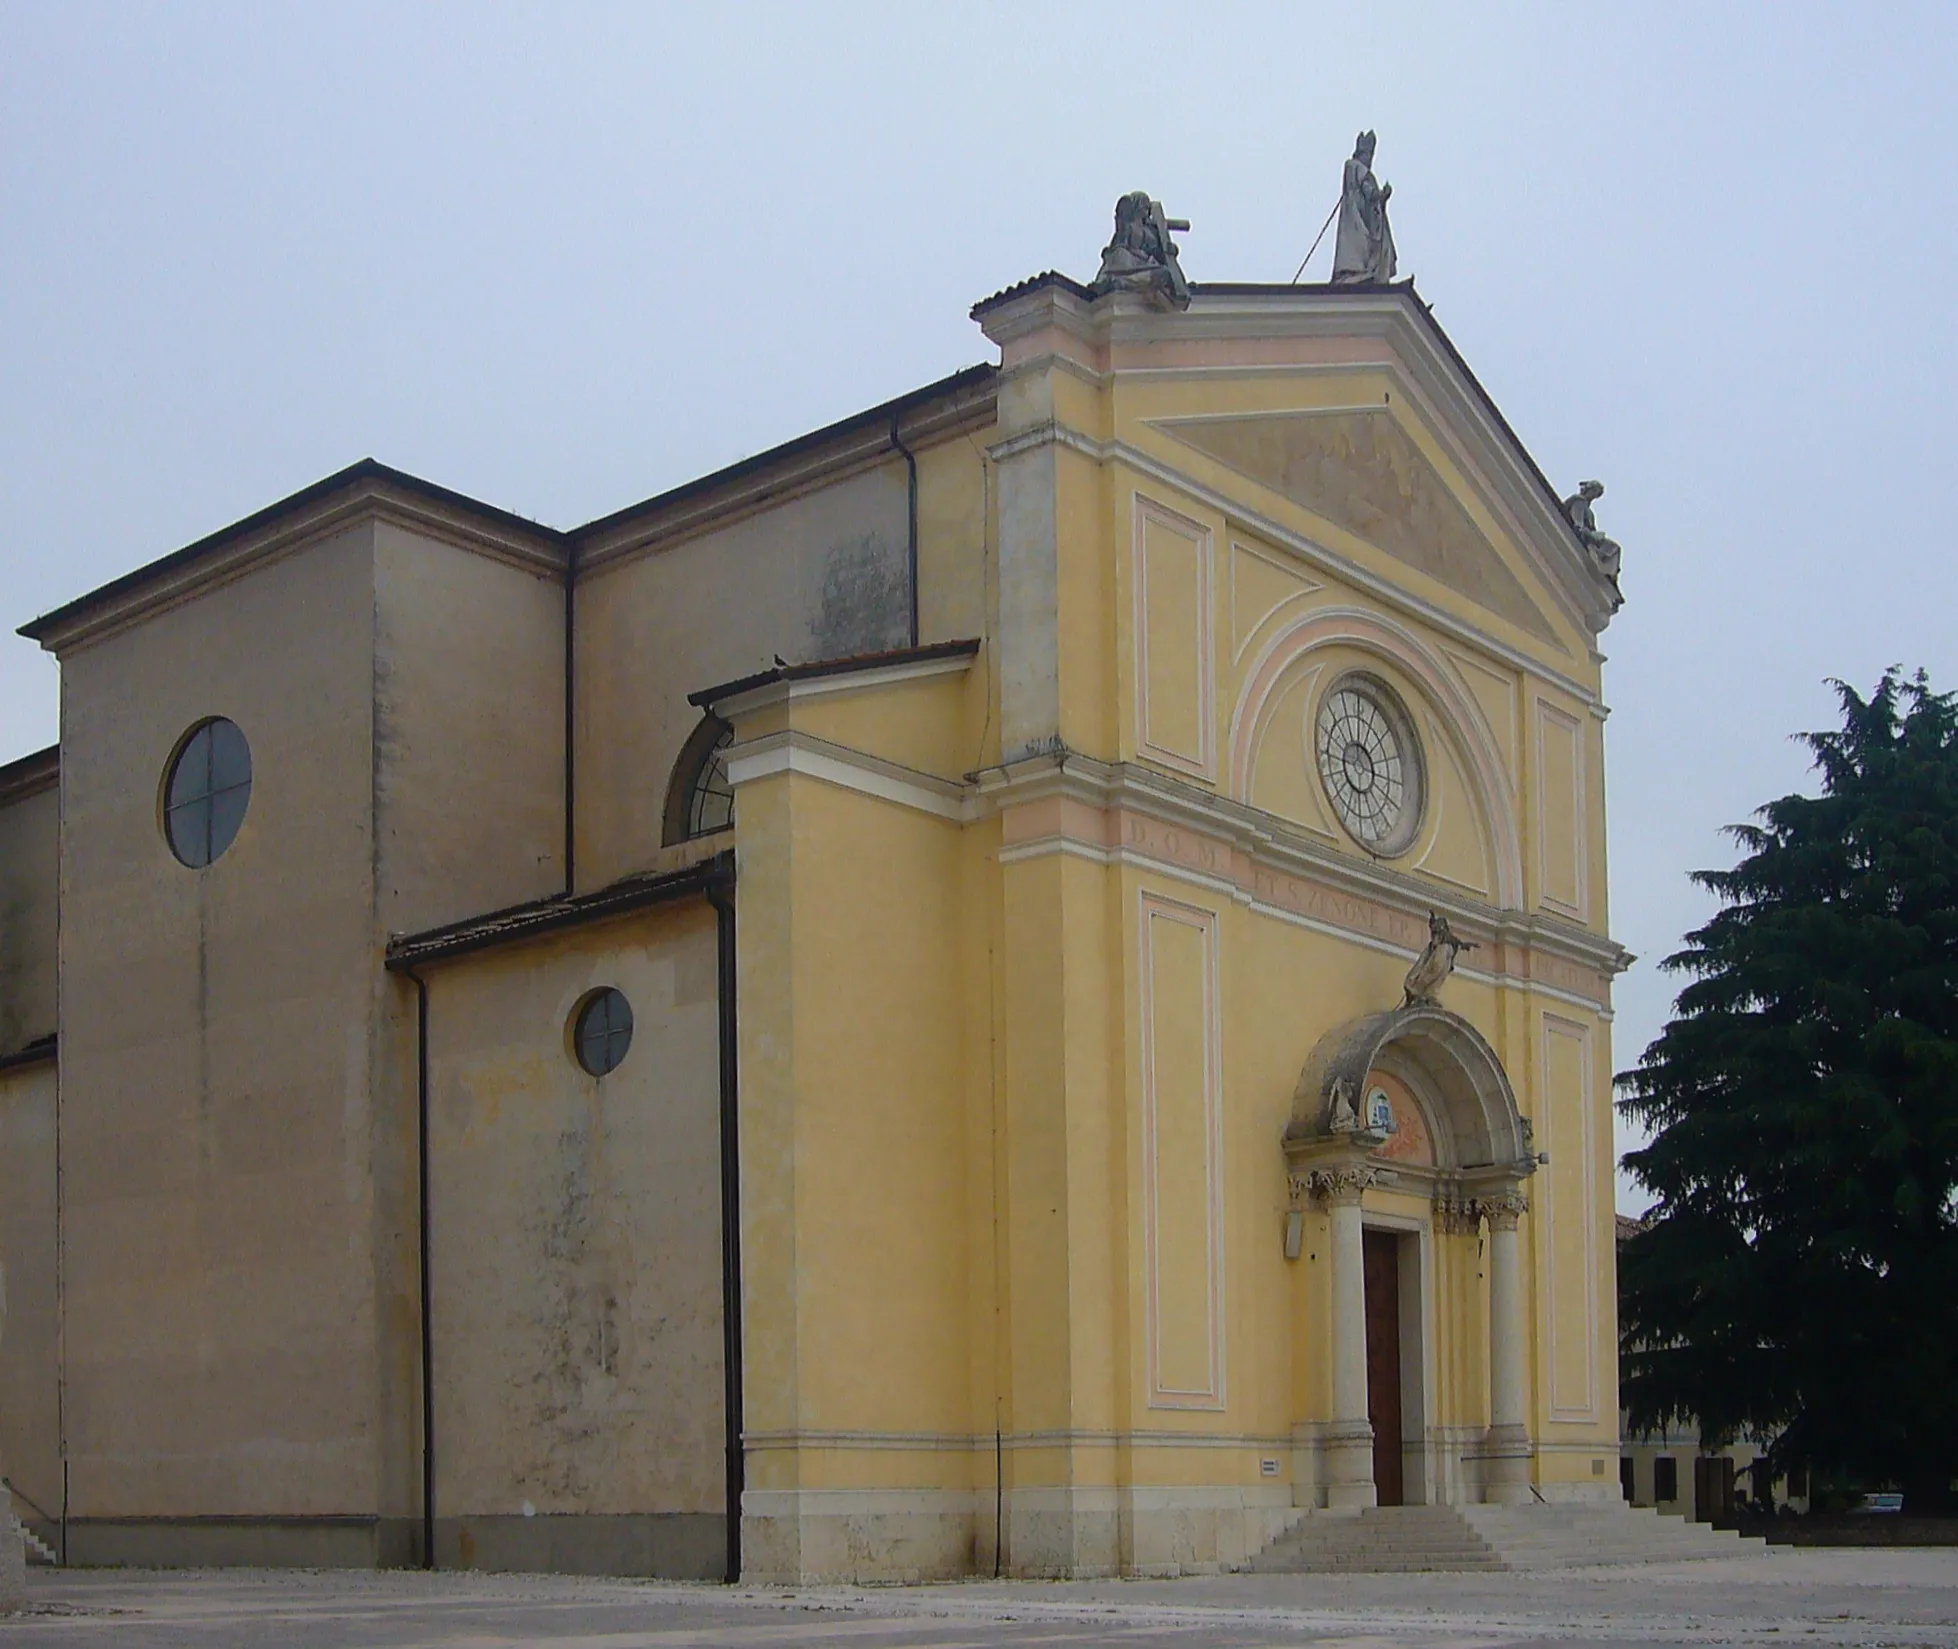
(30, 1431)
(30, 837)
(218, 1134)
(468, 787)
(576, 1257)
(30, 823)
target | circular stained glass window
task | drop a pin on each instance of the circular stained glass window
(206, 792)
(1371, 764)
(602, 1031)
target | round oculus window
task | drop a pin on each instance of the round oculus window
(1370, 764)
(602, 1031)
(206, 791)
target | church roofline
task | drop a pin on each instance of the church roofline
(1425, 311)
(736, 486)
(1234, 308)
(538, 917)
(29, 775)
(368, 473)
(853, 664)
(781, 471)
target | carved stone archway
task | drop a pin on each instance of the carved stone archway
(1482, 1127)
(1484, 1153)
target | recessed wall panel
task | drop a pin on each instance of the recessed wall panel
(1182, 1132)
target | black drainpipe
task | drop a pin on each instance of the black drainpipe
(427, 1304)
(570, 724)
(911, 561)
(720, 894)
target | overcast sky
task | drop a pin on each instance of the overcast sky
(562, 257)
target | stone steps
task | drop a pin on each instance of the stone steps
(38, 1550)
(1381, 1539)
(1401, 1539)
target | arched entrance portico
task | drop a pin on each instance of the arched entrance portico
(1412, 1102)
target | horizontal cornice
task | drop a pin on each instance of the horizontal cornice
(1269, 843)
(1270, 847)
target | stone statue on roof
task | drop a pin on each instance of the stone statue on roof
(1142, 257)
(1364, 249)
(1584, 522)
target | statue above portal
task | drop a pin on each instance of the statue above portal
(1142, 257)
(1436, 961)
(1364, 251)
(1584, 521)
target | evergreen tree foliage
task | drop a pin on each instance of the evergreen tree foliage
(1799, 1271)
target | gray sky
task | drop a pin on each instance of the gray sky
(562, 257)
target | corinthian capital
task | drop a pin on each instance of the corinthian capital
(1503, 1211)
(1342, 1184)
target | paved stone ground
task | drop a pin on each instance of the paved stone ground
(1863, 1598)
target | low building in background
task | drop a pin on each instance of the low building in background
(1671, 1472)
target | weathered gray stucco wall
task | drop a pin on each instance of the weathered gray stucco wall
(468, 732)
(30, 1450)
(821, 576)
(576, 1256)
(218, 1133)
(30, 837)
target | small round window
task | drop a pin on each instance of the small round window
(602, 1031)
(206, 792)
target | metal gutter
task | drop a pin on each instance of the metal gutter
(707, 697)
(720, 895)
(517, 923)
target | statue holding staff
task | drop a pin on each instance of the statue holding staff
(1364, 250)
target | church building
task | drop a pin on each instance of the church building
(1018, 984)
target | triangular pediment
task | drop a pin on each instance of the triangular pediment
(1357, 468)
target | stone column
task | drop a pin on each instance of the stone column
(1507, 1448)
(1349, 1437)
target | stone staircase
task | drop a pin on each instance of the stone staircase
(36, 1549)
(1402, 1539)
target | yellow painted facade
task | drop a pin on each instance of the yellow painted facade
(1022, 992)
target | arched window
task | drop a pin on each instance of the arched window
(699, 800)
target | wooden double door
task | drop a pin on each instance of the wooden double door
(1382, 1252)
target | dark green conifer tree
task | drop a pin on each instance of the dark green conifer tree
(1799, 1273)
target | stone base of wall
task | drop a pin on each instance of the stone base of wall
(893, 1535)
(670, 1546)
(255, 1542)
(666, 1546)
(794, 1535)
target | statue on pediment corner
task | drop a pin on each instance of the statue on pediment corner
(1584, 522)
(1363, 252)
(1142, 257)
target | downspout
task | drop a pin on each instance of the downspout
(720, 894)
(427, 1304)
(911, 540)
(570, 723)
